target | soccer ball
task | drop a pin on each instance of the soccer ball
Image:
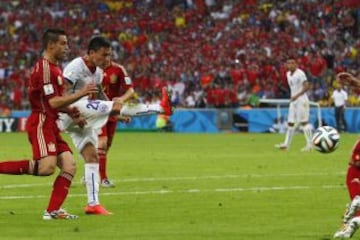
(326, 139)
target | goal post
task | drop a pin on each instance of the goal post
(281, 102)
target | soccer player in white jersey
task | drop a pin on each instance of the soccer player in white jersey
(95, 111)
(299, 105)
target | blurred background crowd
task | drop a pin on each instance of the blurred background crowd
(212, 53)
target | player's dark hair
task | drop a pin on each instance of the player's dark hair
(98, 42)
(51, 35)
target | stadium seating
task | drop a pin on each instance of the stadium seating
(222, 52)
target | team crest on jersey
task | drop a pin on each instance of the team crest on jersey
(113, 78)
(60, 80)
(48, 89)
(128, 80)
(51, 147)
(103, 108)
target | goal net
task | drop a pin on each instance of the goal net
(285, 102)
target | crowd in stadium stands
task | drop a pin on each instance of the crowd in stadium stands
(212, 53)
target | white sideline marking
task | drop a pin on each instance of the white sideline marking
(251, 189)
(190, 178)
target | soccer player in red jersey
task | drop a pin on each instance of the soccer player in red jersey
(48, 147)
(351, 219)
(116, 85)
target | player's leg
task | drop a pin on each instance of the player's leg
(16, 167)
(351, 218)
(147, 109)
(92, 179)
(308, 136)
(290, 130)
(337, 118)
(32, 167)
(349, 229)
(85, 141)
(102, 152)
(105, 140)
(61, 185)
(44, 151)
(303, 111)
(95, 112)
(61, 157)
(102, 148)
(353, 183)
(44, 148)
(343, 120)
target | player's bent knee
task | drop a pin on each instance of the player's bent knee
(103, 143)
(92, 159)
(45, 166)
(70, 168)
(67, 163)
(89, 154)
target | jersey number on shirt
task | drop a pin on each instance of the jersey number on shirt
(93, 104)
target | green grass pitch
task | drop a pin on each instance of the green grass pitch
(189, 187)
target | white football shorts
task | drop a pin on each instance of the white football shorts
(299, 111)
(96, 113)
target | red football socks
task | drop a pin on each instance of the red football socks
(102, 163)
(60, 191)
(15, 167)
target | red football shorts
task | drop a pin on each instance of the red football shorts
(44, 136)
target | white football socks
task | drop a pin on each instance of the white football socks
(308, 134)
(140, 110)
(289, 135)
(92, 183)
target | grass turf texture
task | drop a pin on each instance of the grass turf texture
(189, 186)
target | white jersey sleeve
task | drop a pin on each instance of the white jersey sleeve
(71, 71)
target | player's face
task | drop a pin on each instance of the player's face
(101, 57)
(291, 65)
(61, 48)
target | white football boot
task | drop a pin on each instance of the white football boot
(307, 148)
(281, 146)
(348, 229)
(352, 209)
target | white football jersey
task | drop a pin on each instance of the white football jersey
(296, 81)
(79, 74)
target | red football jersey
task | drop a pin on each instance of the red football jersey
(46, 81)
(355, 156)
(116, 81)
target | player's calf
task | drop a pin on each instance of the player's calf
(352, 209)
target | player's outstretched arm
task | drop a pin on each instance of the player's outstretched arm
(348, 79)
(126, 96)
(63, 101)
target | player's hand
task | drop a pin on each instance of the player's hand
(347, 79)
(293, 98)
(124, 119)
(74, 112)
(80, 121)
(90, 89)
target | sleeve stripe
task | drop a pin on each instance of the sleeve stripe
(46, 72)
